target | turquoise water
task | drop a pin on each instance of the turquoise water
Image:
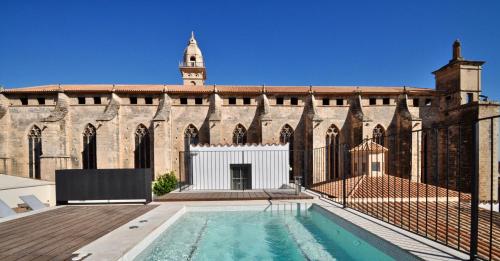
(259, 235)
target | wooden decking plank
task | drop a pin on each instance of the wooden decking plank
(55, 241)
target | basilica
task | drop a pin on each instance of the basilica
(66, 126)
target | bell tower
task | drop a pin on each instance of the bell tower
(193, 67)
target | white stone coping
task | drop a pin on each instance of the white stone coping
(125, 243)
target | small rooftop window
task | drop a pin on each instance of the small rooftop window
(232, 100)
(340, 101)
(428, 102)
(373, 101)
(279, 100)
(386, 101)
(133, 100)
(246, 101)
(294, 101)
(184, 100)
(192, 59)
(97, 100)
(81, 100)
(416, 102)
(326, 101)
(148, 100)
(41, 101)
(24, 101)
(198, 100)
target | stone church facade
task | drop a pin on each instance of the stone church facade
(44, 128)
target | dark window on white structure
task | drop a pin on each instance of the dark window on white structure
(332, 152)
(294, 101)
(340, 101)
(148, 100)
(184, 100)
(286, 136)
(428, 102)
(35, 151)
(373, 101)
(142, 148)
(133, 100)
(240, 135)
(41, 101)
(279, 100)
(246, 101)
(198, 100)
(81, 100)
(97, 100)
(89, 153)
(326, 101)
(232, 100)
(24, 101)
(386, 101)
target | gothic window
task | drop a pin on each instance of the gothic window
(192, 59)
(332, 152)
(240, 135)
(379, 135)
(286, 136)
(191, 136)
(35, 151)
(89, 155)
(142, 147)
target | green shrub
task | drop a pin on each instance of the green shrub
(165, 183)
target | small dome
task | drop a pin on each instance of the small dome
(192, 53)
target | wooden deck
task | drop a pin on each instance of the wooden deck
(230, 195)
(56, 234)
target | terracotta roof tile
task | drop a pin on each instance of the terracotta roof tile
(223, 89)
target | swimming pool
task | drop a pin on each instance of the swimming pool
(299, 233)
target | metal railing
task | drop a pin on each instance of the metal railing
(192, 64)
(429, 181)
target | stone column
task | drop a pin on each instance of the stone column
(215, 118)
(55, 133)
(162, 136)
(266, 131)
(5, 164)
(108, 135)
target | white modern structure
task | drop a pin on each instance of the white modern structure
(239, 167)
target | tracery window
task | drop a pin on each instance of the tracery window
(34, 152)
(379, 135)
(240, 135)
(332, 152)
(286, 136)
(89, 155)
(142, 147)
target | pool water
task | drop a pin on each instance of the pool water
(259, 235)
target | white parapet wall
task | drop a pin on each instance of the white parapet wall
(210, 166)
(11, 187)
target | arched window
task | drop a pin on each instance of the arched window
(191, 136)
(193, 83)
(332, 152)
(379, 135)
(142, 147)
(240, 135)
(286, 136)
(192, 59)
(89, 155)
(35, 151)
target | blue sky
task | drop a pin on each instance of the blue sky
(245, 42)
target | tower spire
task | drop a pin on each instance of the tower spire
(192, 67)
(457, 51)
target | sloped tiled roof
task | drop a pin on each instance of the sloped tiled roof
(369, 145)
(223, 89)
